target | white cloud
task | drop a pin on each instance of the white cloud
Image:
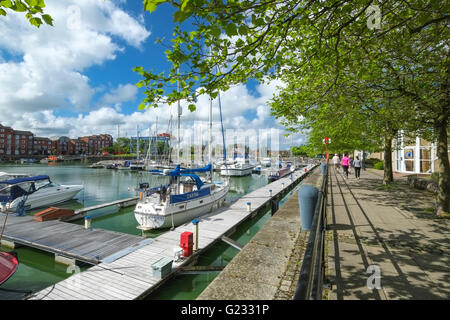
(235, 104)
(47, 73)
(123, 93)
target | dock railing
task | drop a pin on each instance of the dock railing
(310, 283)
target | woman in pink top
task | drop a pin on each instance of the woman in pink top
(345, 163)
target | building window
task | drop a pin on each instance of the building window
(409, 159)
(425, 159)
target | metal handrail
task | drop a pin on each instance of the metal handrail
(310, 283)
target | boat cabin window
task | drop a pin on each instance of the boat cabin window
(187, 184)
(45, 184)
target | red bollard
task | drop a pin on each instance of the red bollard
(187, 243)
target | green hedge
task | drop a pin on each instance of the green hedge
(379, 165)
(435, 176)
(370, 162)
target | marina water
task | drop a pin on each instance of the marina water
(37, 269)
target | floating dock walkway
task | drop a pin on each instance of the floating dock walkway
(130, 276)
(80, 213)
(67, 239)
(70, 240)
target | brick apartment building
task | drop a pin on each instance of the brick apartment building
(6, 137)
(61, 145)
(18, 143)
(96, 143)
(79, 146)
(42, 146)
(15, 142)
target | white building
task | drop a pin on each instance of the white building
(412, 155)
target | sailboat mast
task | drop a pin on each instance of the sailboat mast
(178, 123)
(210, 136)
(156, 141)
(118, 141)
(138, 149)
(178, 132)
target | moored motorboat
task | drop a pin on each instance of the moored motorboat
(8, 265)
(125, 165)
(241, 167)
(257, 169)
(7, 175)
(137, 165)
(266, 162)
(279, 173)
(36, 192)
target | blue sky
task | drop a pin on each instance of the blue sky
(76, 78)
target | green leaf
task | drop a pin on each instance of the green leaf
(48, 19)
(150, 5)
(243, 30)
(231, 30)
(2, 12)
(183, 6)
(192, 107)
(32, 3)
(20, 6)
(239, 43)
(141, 106)
(216, 31)
(36, 22)
(6, 3)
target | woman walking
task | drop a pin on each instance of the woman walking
(357, 165)
(345, 161)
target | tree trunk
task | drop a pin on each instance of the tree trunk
(443, 197)
(388, 173)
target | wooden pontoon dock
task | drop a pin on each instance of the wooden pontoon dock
(128, 274)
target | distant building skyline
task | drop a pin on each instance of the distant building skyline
(15, 143)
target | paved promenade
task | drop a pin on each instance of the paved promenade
(390, 230)
(394, 231)
(268, 267)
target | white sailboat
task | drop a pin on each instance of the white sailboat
(186, 197)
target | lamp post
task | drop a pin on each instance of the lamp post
(326, 142)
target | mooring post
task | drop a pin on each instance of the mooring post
(249, 206)
(270, 193)
(323, 168)
(274, 205)
(87, 222)
(307, 198)
(195, 223)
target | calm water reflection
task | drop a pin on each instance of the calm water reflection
(37, 269)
